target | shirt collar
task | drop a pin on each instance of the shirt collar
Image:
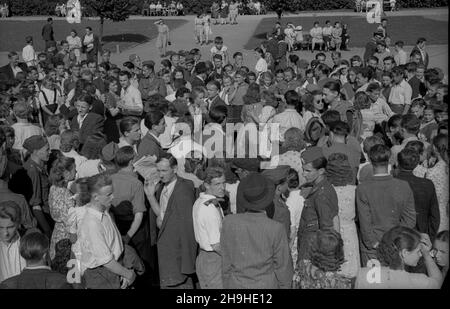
(82, 117)
(406, 140)
(37, 267)
(98, 214)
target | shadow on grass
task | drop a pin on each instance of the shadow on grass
(126, 37)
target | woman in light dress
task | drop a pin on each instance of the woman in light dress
(340, 174)
(207, 32)
(74, 44)
(261, 63)
(290, 36)
(234, 10)
(438, 174)
(62, 172)
(163, 38)
(199, 29)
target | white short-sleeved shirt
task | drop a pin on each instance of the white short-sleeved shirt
(207, 221)
(261, 66)
(22, 131)
(394, 279)
(132, 98)
(288, 119)
(221, 52)
(401, 94)
(99, 238)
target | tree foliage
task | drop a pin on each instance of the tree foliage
(115, 10)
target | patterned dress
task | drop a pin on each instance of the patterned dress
(59, 203)
(346, 200)
(438, 174)
(307, 276)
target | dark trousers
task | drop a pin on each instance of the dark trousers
(188, 284)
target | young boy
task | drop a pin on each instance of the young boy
(417, 108)
(11, 263)
(429, 124)
(37, 274)
(220, 49)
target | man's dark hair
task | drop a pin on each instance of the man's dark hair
(34, 246)
(153, 118)
(410, 123)
(408, 159)
(181, 91)
(125, 73)
(395, 121)
(340, 128)
(331, 116)
(124, 156)
(421, 40)
(373, 87)
(379, 155)
(417, 146)
(237, 54)
(218, 114)
(292, 98)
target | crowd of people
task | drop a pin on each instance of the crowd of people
(162, 9)
(365, 6)
(200, 172)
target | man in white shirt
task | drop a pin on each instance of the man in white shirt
(101, 243)
(400, 57)
(290, 117)
(401, 93)
(131, 101)
(29, 55)
(207, 218)
(11, 263)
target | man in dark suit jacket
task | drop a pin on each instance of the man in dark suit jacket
(150, 145)
(213, 88)
(420, 47)
(177, 247)
(200, 75)
(34, 248)
(6, 72)
(91, 123)
(272, 45)
(371, 47)
(47, 33)
(425, 199)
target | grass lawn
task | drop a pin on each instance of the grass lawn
(405, 28)
(127, 34)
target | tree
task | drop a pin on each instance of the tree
(115, 10)
(279, 6)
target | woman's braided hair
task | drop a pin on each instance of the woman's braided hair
(327, 252)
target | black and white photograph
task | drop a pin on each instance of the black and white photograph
(224, 149)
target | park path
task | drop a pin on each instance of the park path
(237, 36)
(182, 38)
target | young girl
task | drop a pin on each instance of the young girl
(55, 125)
(438, 173)
(50, 99)
(207, 27)
(313, 105)
(429, 124)
(199, 23)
